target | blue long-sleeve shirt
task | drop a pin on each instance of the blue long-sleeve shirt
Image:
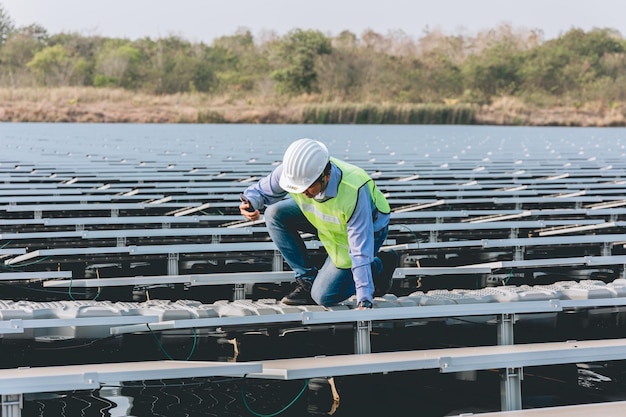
(360, 227)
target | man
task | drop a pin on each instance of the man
(339, 203)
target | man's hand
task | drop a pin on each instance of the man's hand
(247, 210)
(250, 215)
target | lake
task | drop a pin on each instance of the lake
(185, 147)
(204, 143)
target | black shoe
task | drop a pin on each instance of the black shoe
(364, 305)
(301, 294)
(383, 282)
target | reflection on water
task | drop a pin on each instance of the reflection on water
(121, 405)
(171, 398)
(423, 393)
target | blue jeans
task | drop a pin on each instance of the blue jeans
(331, 285)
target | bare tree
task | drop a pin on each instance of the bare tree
(6, 25)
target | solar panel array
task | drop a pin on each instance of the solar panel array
(151, 222)
(106, 207)
(103, 235)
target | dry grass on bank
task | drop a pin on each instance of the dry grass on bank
(511, 111)
(84, 105)
(104, 105)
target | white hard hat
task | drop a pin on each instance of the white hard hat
(303, 163)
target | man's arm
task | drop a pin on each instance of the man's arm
(361, 245)
(264, 192)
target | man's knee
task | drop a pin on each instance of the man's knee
(318, 296)
(322, 298)
(270, 210)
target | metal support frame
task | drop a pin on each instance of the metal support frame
(12, 405)
(239, 292)
(510, 378)
(505, 329)
(362, 337)
(277, 261)
(172, 263)
(511, 389)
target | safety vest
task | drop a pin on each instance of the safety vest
(330, 217)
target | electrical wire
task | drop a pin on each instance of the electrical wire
(508, 277)
(47, 291)
(193, 347)
(412, 232)
(285, 408)
(69, 291)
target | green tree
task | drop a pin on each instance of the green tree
(434, 78)
(495, 70)
(85, 47)
(54, 66)
(116, 65)
(343, 74)
(570, 62)
(297, 56)
(174, 65)
(239, 65)
(18, 50)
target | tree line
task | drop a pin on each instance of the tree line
(577, 67)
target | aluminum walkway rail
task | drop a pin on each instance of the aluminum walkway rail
(511, 359)
(15, 382)
(238, 279)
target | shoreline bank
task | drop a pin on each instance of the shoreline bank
(87, 105)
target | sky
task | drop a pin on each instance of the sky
(205, 20)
